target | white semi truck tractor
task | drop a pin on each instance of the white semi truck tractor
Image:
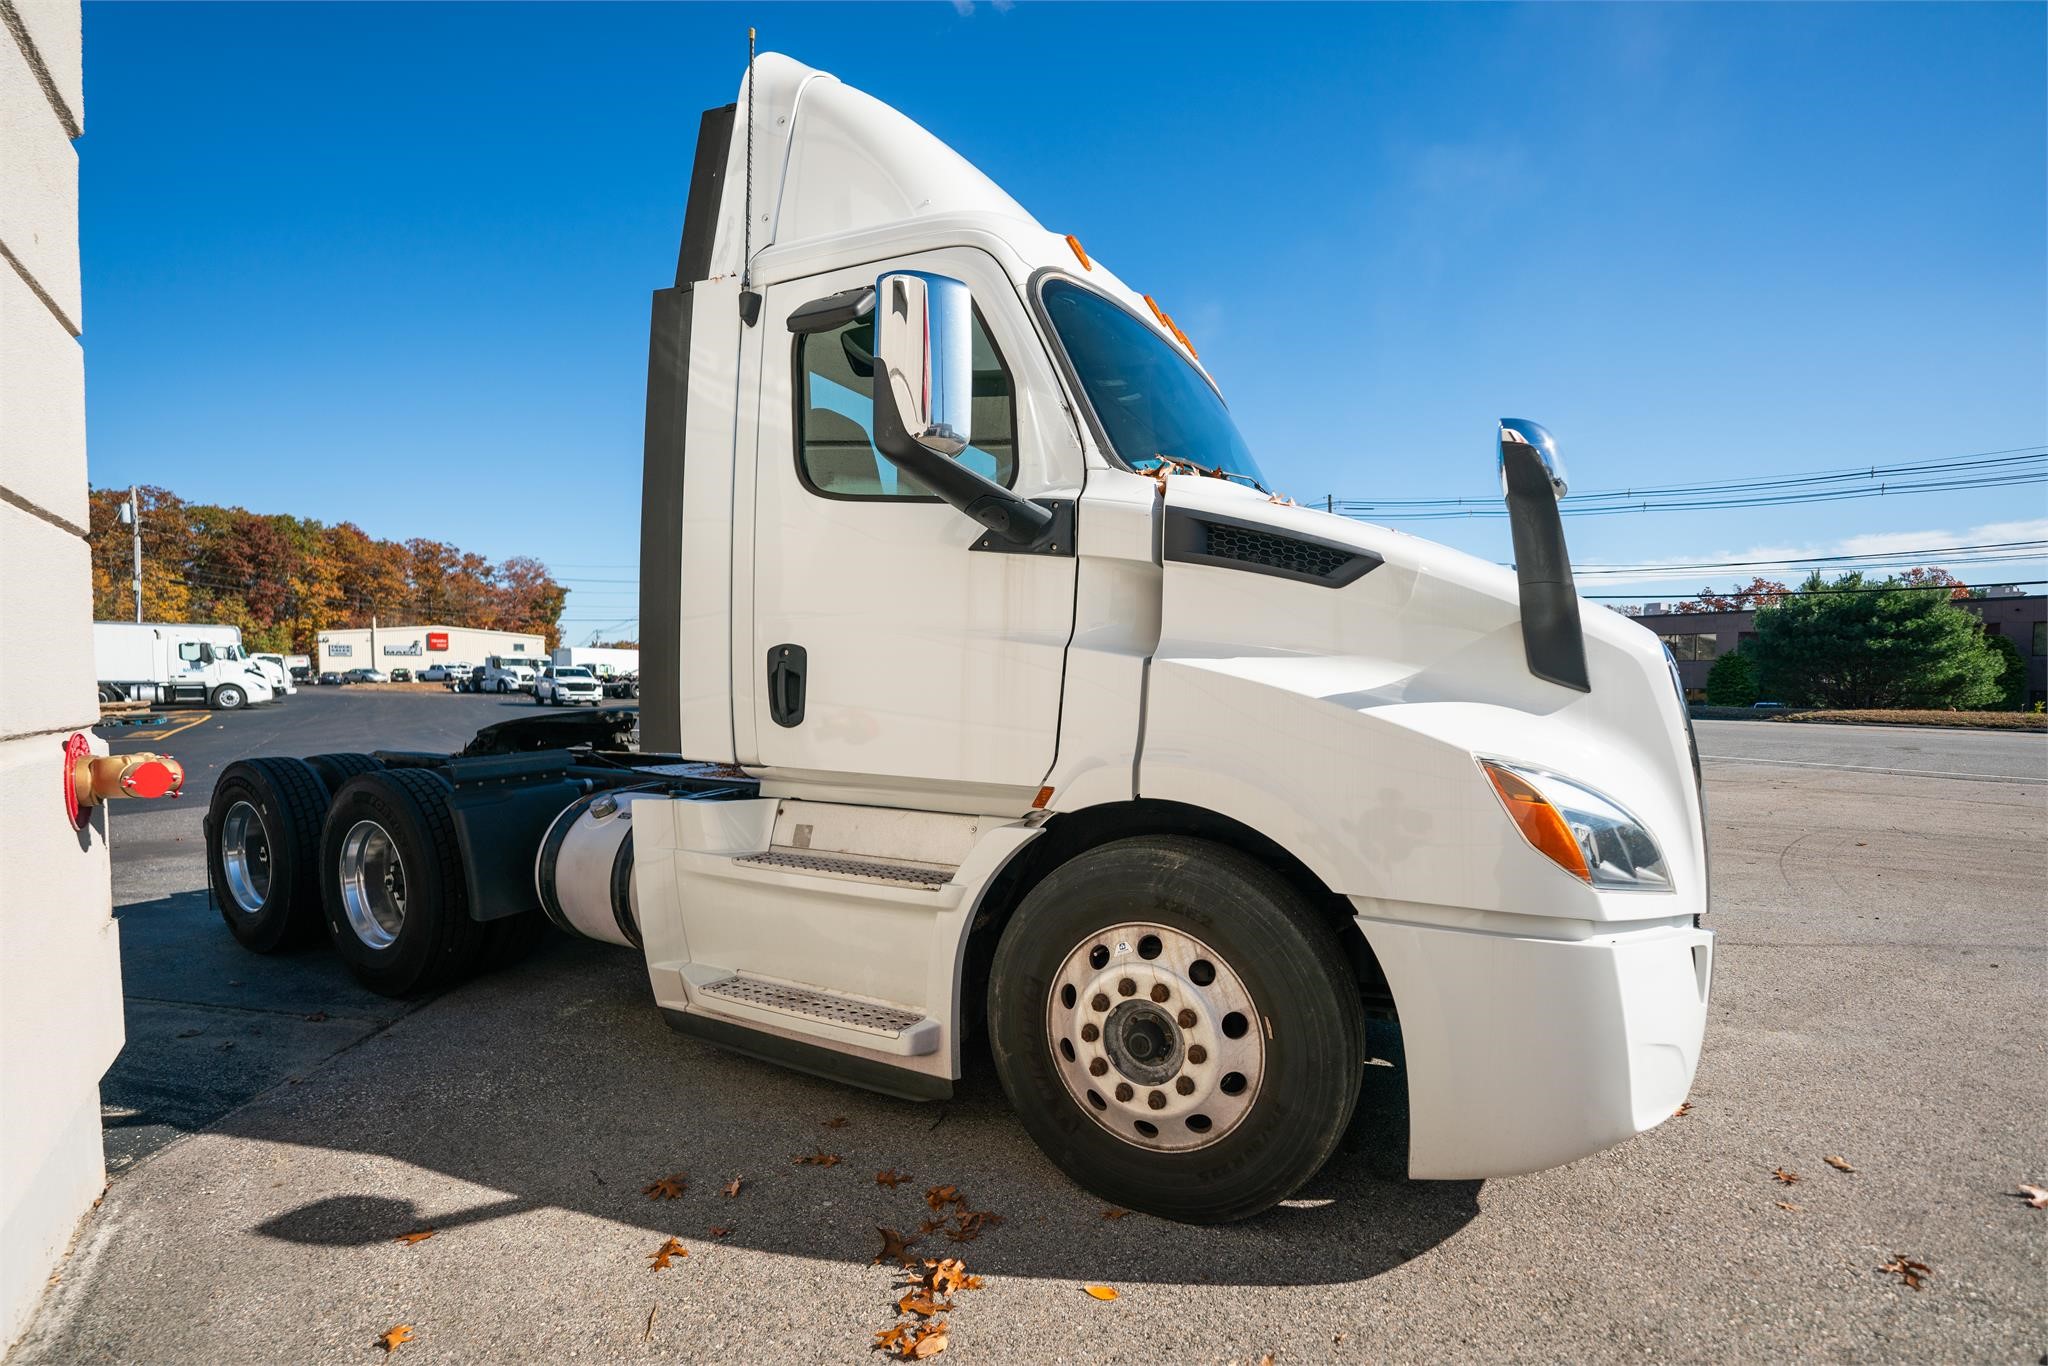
(993, 706)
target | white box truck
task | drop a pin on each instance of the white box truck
(989, 692)
(177, 663)
(603, 661)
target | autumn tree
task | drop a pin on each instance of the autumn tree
(1758, 592)
(284, 579)
(1934, 576)
(1855, 644)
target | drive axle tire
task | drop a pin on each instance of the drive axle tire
(391, 883)
(228, 697)
(1177, 1028)
(263, 851)
(336, 769)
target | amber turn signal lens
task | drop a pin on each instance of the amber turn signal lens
(1079, 254)
(1540, 823)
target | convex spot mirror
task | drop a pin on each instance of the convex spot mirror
(924, 358)
(1519, 440)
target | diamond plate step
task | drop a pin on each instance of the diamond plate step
(822, 1006)
(844, 865)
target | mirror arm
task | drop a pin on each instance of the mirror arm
(1553, 641)
(1007, 514)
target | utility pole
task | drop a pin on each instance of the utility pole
(131, 513)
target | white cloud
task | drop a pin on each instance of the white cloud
(1692, 568)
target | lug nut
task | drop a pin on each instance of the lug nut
(1123, 1090)
(1100, 1002)
(1157, 1100)
(1089, 1033)
(1159, 991)
(1186, 1018)
(1197, 1053)
(1184, 1085)
(1097, 1067)
(1126, 987)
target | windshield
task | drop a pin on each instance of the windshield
(573, 673)
(1150, 400)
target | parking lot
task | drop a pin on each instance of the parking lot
(272, 1130)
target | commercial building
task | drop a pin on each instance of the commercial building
(421, 647)
(60, 965)
(1697, 639)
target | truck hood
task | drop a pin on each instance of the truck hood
(1417, 666)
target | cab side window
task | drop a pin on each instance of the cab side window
(835, 417)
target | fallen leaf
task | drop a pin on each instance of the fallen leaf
(820, 1158)
(836, 1122)
(1100, 1292)
(968, 1224)
(1907, 1270)
(1785, 1177)
(1788, 1205)
(1266, 1360)
(927, 1341)
(189, 1033)
(668, 1187)
(732, 1187)
(648, 1331)
(2035, 1196)
(891, 1178)
(938, 1197)
(949, 1274)
(1837, 1163)
(1684, 1108)
(891, 1339)
(720, 1230)
(1116, 1214)
(661, 1255)
(416, 1236)
(922, 1302)
(895, 1247)
(931, 1226)
(394, 1335)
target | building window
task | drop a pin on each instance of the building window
(1705, 645)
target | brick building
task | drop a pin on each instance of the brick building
(1697, 639)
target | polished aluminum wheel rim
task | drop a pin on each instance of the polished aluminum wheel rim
(245, 857)
(1155, 1037)
(372, 884)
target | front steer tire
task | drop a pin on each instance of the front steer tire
(273, 903)
(433, 942)
(1286, 958)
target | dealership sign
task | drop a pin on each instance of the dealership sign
(341, 649)
(411, 647)
(437, 640)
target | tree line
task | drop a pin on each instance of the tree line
(284, 579)
(1865, 643)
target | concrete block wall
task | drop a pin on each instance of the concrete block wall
(60, 974)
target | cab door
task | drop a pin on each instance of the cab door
(888, 647)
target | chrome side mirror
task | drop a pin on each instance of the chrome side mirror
(1521, 437)
(924, 358)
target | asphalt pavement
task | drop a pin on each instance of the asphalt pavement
(1878, 998)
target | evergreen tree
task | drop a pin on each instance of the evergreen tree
(1732, 681)
(1855, 644)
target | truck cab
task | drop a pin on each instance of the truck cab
(995, 702)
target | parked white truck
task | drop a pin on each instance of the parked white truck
(177, 662)
(604, 661)
(989, 693)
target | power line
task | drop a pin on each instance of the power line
(1994, 551)
(1819, 592)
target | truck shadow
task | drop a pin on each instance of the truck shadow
(555, 1084)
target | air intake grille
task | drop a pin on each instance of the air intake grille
(1248, 545)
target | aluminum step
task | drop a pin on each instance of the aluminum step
(848, 866)
(910, 1031)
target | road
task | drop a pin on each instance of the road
(1878, 997)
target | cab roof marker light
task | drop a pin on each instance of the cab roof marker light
(1079, 254)
(1166, 321)
(1589, 835)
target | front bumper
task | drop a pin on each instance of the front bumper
(1524, 1053)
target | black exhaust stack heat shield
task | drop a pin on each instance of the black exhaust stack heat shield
(1552, 639)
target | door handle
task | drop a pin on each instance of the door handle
(786, 685)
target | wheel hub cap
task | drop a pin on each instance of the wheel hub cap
(1156, 1037)
(245, 857)
(372, 884)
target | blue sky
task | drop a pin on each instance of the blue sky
(390, 263)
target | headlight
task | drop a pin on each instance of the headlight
(1589, 836)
